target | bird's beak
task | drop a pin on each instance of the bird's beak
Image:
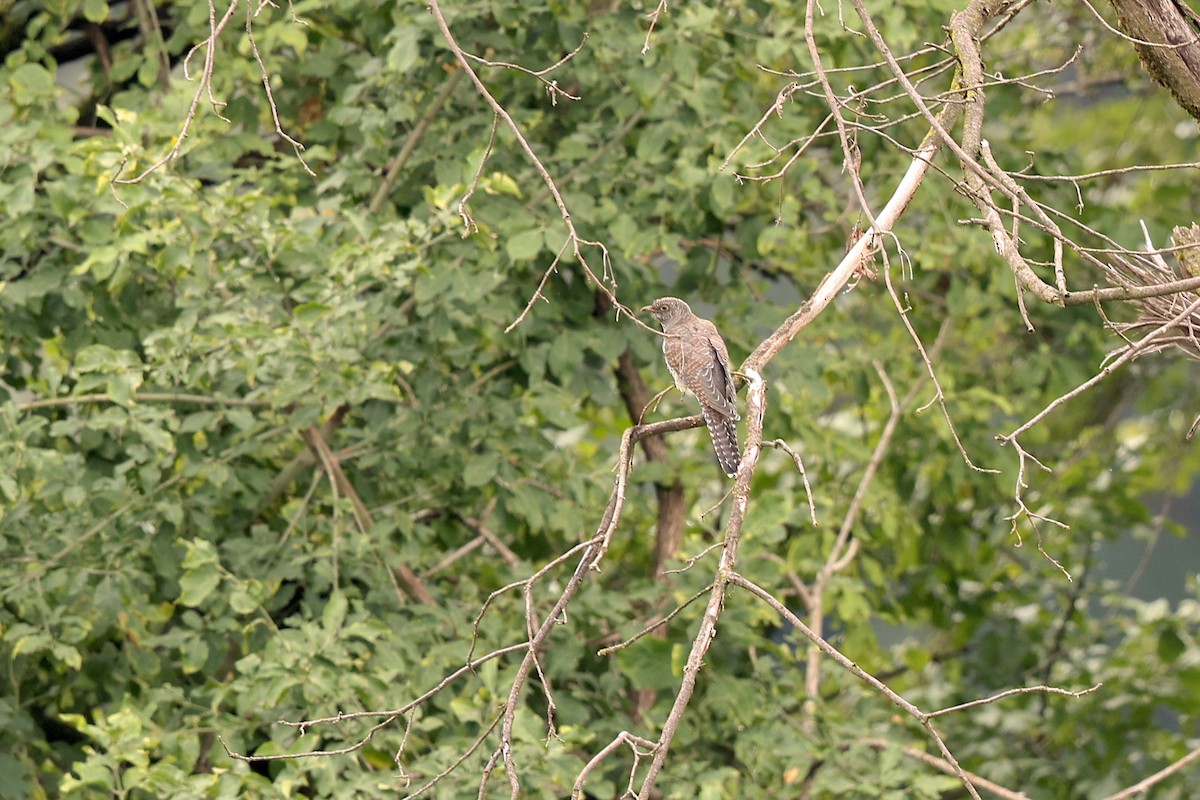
(646, 309)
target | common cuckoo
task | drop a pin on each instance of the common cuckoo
(699, 363)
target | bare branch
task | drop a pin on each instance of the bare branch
(851, 155)
(653, 17)
(854, 258)
(1141, 786)
(146, 397)
(782, 445)
(858, 672)
(942, 765)
(436, 779)
(480, 527)
(388, 716)
(204, 88)
(605, 651)
(574, 240)
(215, 28)
(552, 87)
(469, 225)
(414, 138)
(1011, 693)
(843, 550)
(1105, 173)
(939, 396)
(266, 80)
(624, 737)
(1128, 354)
(1135, 40)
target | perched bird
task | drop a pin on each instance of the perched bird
(696, 356)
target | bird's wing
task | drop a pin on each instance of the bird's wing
(716, 387)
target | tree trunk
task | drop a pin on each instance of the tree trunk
(1176, 25)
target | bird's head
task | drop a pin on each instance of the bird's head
(668, 310)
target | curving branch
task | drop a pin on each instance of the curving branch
(216, 26)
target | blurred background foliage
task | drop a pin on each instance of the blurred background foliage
(177, 564)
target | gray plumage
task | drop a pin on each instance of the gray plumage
(699, 362)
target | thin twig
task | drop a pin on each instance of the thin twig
(789, 616)
(1129, 354)
(414, 138)
(942, 765)
(1012, 693)
(653, 17)
(146, 397)
(939, 396)
(1141, 786)
(574, 240)
(552, 87)
(605, 651)
(780, 444)
(624, 737)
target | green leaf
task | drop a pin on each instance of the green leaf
(405, 52)
(196, 585)
(73, 496)
(311, 312)
(525, 245)
(193, 655)
(119, 389)
(101, 262)
(198, 421)
(67, 655)
(199, 553)
(722, 195)
(334, 615)
(31, 83)
(647, 664)
(1170, 646)
(148, 70)
(564, 357)
(95, 10)
(242, 601)
(27, 640)
(503, 183)
(102, 358)
(14, 775)
(481, 469)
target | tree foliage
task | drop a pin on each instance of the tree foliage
(293, 446)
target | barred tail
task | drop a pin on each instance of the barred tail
(724, 437)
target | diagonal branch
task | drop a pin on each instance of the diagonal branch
(1140, 788)
(858, 255)
(574, 240)
(414, 138)
(858, 672)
